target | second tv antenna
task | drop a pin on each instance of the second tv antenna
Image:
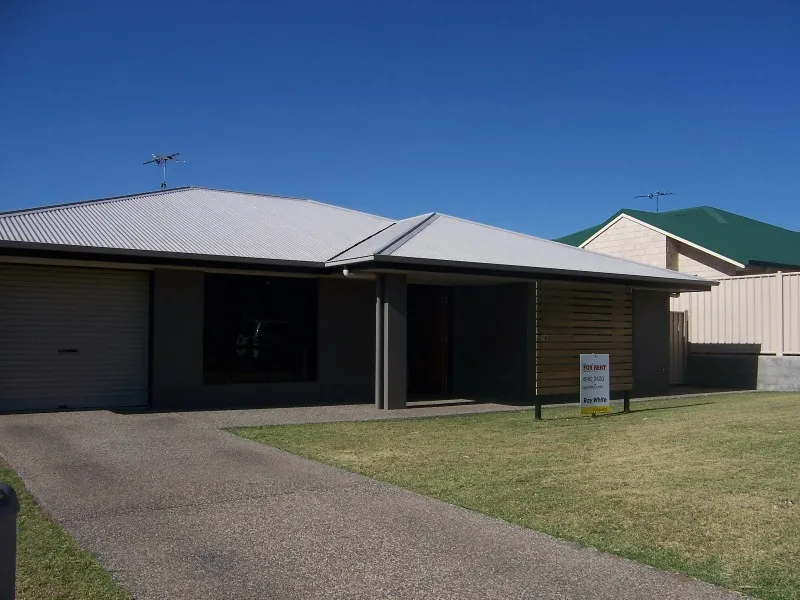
(655, 195)
(161, 161)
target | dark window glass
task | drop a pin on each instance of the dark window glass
(259, 329)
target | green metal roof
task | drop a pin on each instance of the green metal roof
(739, 238)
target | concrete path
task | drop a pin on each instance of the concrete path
(178, 509)
(292, 415)
(366, 412)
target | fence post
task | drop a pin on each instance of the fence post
(780, 319)
(626, 402)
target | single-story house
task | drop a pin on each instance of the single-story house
(195, 297)
(703, 241)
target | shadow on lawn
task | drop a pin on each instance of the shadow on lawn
(635, 410)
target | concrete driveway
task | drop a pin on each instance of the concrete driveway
(178, 509)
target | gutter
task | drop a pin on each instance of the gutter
(419, 264)
(62, 252)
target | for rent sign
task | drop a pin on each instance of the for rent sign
(595, 384)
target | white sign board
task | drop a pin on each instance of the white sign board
(595, 384)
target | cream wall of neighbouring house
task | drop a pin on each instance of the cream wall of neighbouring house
(696, 262)
(628, 239)
(672, 254)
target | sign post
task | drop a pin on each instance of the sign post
(595, 384)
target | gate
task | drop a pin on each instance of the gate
(678, 346)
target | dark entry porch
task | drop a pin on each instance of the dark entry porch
(469, 339)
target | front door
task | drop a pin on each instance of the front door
(428, 339)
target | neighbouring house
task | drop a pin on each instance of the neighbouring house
(195, 297)
(744, 333)
(703, 241)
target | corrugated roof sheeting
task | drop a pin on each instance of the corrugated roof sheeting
(199, 221)
(205, 222)
(452, 239)
(382, 240)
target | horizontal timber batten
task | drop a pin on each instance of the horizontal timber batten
(566, 353)
(587, 321)
(616, 308)
(614, 329)
(588, 305)
(588, 347)
(580, 298)
(609, 338)
(572, 289)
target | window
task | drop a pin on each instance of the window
(259, 329)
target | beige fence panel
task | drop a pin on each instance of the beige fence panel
(745, 315)
(791, 313)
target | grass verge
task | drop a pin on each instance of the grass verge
(50, 563)
(708, 486)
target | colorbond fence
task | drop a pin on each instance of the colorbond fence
(752, 314)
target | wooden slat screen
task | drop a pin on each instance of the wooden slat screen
(574, 319)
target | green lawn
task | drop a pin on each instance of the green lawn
(707, 486)
(50, 564)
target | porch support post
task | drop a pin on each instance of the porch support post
(380, 284)
(530, 350)
(390, 342)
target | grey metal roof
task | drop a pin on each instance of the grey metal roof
(191, 222)
(198, 221)
(450, 240)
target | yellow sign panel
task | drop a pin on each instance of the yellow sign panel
(595, 410)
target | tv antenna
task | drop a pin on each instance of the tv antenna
(161, 161)
(655, 195)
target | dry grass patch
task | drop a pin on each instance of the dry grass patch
(709, 486)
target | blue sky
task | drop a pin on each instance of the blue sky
(544, 117)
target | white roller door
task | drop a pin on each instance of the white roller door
(73, 337)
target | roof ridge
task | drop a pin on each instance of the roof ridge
(246, 193)
(108, 200)
(404, 238)
(361, 241)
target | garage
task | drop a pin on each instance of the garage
(73, 337)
